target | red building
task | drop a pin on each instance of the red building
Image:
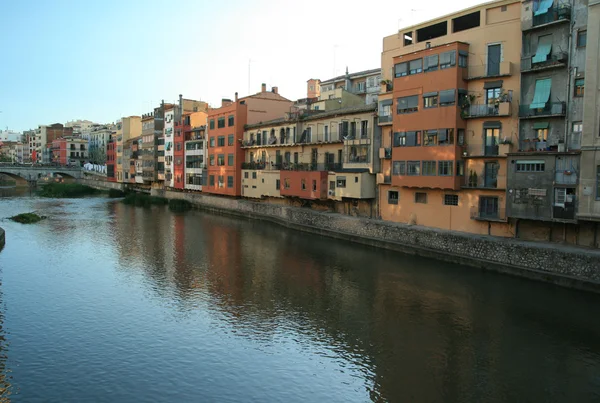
(110, 160)
(225, 133)
(181, 127)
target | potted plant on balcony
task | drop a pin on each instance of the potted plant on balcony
(504, 147)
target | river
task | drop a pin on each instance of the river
(107, 302)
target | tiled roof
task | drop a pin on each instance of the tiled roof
(353, 75)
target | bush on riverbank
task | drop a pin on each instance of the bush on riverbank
(115, 193)
(67, 190)
(27, 218)
(179, 205)
(144, 200)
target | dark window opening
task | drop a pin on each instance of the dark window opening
(408, 38)
(466, 22)
(432, 31)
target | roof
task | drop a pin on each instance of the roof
(353, 75)
(314, 115)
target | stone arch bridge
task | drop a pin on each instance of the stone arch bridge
(23, 174)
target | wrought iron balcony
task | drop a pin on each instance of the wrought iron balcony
(558, 59)
(549, 109)
(484, 110)
(385, 119)
(488, 214)
(556, 13)
(486, 70)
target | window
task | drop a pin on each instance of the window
(581, 39)
(577, 127)
(393, 197)
(303, 184)
(597, 182)
(230, 160)
(211, 160)
(230, 121)
(445, 168)
(430, 63)
(579, 87)
(361, 86)
(246, 175)
(314, 185)
(530, 166)
(221, 160)
(212, 141)
(221, 141)
(408, 104)
(541, 134)
(341, 182)
(460, 168)
(463, 60)
(415, 66)
(413, 168)
(408, 139)
(286, 183)
(447, 59)
(212, 126)
(398, 168)
(221, 181)
(253, 175)
(230, 181)
(430, 100)
(430, 137)
(408, 38)
(211, 179)
(277, 184)
(447, 97)
(446, 137)
(421, 197)
(429, 168)
(221, 123)
(401, 70)
(451, 200)
(356, 179)
(230, 140)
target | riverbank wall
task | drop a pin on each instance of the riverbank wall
(564, 265)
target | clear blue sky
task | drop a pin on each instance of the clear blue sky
(100, 60)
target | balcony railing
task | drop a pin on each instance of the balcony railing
(560, 12)
(533, 145)
(480, 181)
(483, 110)
(558, 59)
(488, 70)
(550, 109)
(566, 176)
(311, 167)
(488, 214)
(575, 141)
(385, 119)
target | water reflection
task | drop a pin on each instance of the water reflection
(298, 317)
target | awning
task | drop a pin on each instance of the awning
(543, 49)
(493, 84)
(447, 96)
(463, 53)
(541, 125)
(492, 125)
(542, 93)
(543, 7)
(430, 94)
(387, 102)
(401, 69)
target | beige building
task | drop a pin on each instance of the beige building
(127, 128)
(364, 84)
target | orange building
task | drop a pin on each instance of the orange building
(225, 132)
(448, 120)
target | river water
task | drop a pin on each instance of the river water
(107, 302)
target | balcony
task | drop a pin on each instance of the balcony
(554, 60)
(384, 179)
(499, 109)
(385, 119)
(555, 14)
(385, 153)
(482, 181)
(533, 145)
(504, 69)
(550, 109)
(311, 167)
(488, 214)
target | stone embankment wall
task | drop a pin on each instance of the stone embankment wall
(564, 265)
(101, 184)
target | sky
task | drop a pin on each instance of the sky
(100, 60)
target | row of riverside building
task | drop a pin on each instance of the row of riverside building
(484, 121)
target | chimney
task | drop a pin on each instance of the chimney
(275, 90)
(264, 87)
(236, 97)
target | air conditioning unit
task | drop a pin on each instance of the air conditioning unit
(331, 193)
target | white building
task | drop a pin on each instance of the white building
(168, 133)
(195, 152)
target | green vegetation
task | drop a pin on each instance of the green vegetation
(179, 205)
(8, 183)
(66, 190)
(144, 200)
(114, 193)
(27, 218)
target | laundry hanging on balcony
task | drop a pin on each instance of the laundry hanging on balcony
(543, 7)
(542, 93)
(543, 49)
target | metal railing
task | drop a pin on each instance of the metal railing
(480, 181)
(559, 12)
(482, 110)
(549, 109)
(554, 59)
(488, 214)
(385, 119)
(330, 166)
(487, 70)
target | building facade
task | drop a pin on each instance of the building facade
(127, 128)
(364, 84)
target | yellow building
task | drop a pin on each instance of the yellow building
(325, 159)
(127, 128)
(462, 73)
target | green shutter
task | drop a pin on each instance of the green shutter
(541, 125)
(543, 49)
(542, 93)
(543, 7)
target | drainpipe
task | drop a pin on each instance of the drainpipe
(569, 74)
